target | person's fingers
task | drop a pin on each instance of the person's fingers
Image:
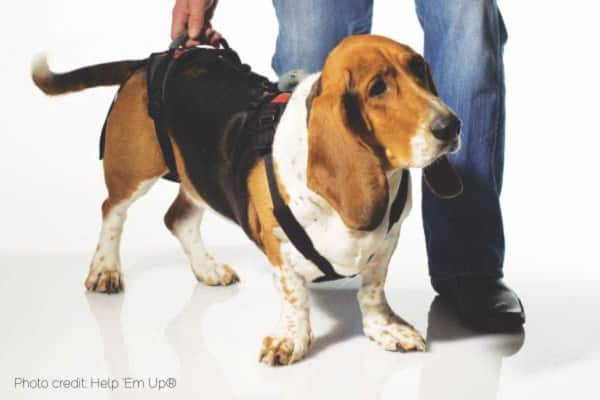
(208, 33)
(192, 43)
(195, 15)
(211, 37)
(214, 40)
(195, 22)
(180, 16)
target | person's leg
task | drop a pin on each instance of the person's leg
(463, 45)
(310, 29)
(464, 42)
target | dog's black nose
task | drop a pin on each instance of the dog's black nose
(446, 127)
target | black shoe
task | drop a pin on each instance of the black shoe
(483, 303)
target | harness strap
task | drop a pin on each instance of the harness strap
(157, 81)
(294, 230)
(158, 76)
(298, 236)
(263, 124)
(400, 200)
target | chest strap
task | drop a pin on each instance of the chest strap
(298, 236)
(294, 230)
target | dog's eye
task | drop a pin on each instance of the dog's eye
(378, 87)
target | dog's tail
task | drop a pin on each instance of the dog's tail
(108, 74)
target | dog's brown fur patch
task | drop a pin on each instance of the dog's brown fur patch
(261, 219)
(132, 154)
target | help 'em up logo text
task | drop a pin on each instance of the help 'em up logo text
(94, 383)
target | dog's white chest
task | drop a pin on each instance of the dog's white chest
(349, 251)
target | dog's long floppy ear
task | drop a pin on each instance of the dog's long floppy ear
(441, 177)
(341, 167)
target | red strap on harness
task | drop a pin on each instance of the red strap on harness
(281, 98)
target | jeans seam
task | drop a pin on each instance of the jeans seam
(498, 110)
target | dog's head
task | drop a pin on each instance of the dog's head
(373, 110)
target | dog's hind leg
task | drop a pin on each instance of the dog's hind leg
(105, 271)
(132, 163)
(183, 219)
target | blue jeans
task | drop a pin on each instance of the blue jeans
(464, 41)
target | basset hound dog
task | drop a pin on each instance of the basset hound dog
(339, 154)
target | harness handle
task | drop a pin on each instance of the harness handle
(183, 37)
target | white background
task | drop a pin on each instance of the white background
(52, 188)
(52, 184)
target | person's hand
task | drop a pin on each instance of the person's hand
(195, 16)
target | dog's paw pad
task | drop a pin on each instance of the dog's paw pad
(282, 350)
(397, 336)
(219, 275)
(105, 281)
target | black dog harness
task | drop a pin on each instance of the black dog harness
(223, 118)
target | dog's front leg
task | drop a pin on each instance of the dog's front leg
(293, 335)
(380, 323)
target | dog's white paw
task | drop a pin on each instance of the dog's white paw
(393, 334)
(216, 274)
(284, 350)
(104, 280)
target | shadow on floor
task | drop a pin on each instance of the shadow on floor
(341, 306)
(462, 363)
